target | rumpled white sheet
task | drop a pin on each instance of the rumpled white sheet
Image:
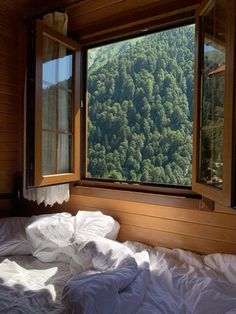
(29, 286)
(111, 277)
(121, 290)
(171, 281)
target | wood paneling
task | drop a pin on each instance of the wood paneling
(24, 8)
(9, 102)
(155, 224)
(92, 21)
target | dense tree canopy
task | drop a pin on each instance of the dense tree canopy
(140, 108)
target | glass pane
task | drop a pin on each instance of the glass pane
(49, 109)
(56, 107)
(57, 80)
(212, 157)
(57, 64)
(65, 110)
(140, 104)
(49, 146)
(212, 95)
(64, 148)
(213, 66)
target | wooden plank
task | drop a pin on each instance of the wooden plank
(7, 181)
(10, 165)
(138, 196)
(223, 209)
(7, 137)
(121, 12)
(8, 77)
(178, 227)
(9, 109)
(7, 60)
(191, 229)
(166, 212)
(11, 118)
(91, 12)
(8, 146)
(8, 127)
(8, 156)
(172, 240)
(9, 99)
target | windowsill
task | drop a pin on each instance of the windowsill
(97, 190)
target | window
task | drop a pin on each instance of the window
(56, 150)
(213, 160)
(140, 105)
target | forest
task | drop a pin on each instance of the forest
(140, 106)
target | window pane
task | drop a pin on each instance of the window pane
(56, 107)
(57, 63)
(212, 157)
(49, 146)
(65, 110)
(212, 95)
(49, 108)
(64, 160)
(140, 103)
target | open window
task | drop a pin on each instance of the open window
(139, 105)
(213, 158)
(57, 110)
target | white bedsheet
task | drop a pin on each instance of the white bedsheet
(180, 282)
(172, 281)
(29, 286)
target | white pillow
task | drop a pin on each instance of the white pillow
(50, 236)
(13, 239)
(96, 224)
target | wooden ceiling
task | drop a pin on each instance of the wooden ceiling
(27, 8)
(93, 20)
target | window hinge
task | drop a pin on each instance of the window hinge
(81, 104)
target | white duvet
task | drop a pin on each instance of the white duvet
(106, 277)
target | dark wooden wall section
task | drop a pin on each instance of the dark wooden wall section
(93, 21)
(9, 102)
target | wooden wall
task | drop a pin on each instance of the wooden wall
(9, 101)
(156, 220)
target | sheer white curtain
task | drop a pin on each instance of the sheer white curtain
(56, 193)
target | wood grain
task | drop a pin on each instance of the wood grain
(9, 103)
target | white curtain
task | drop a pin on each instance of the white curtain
(57, 193)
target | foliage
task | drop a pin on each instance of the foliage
(140, 108)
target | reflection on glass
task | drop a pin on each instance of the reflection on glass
(212, 157)
(212, 95)
(48, 153)
(56, 107)
(49, 109)
(64, 110)
(64, 148)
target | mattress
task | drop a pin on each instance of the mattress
(59, 263)
(177, 281)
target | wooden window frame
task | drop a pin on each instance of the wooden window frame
(39, 179)
(222, 196)
(165, 189)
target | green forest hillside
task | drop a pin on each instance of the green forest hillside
(140, 108)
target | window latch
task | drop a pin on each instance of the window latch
(81, 104)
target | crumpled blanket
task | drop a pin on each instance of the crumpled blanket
(117, 282)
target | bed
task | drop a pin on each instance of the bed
(60, 263)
